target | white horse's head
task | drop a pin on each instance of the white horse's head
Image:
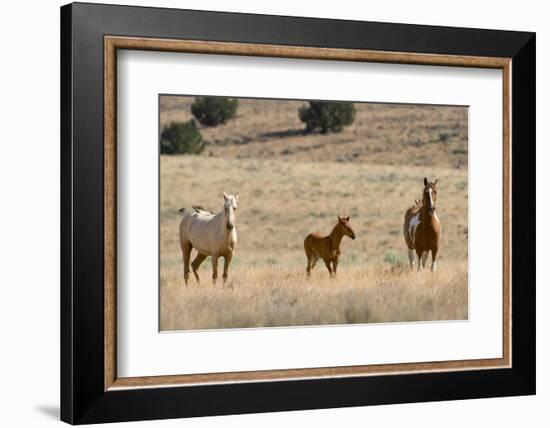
(230, 206)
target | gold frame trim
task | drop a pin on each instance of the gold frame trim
(112, 43)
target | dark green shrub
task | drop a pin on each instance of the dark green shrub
(211, 111)
(327, 116)
(180, 137)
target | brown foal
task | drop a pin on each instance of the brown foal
(327, 247)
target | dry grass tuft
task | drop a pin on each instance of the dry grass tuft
(267, 297)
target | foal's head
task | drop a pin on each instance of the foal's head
(345, 226)
(429, 196)
(230, 206)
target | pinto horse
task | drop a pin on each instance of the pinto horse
(422, 228)
(327, 248)
(210, 234)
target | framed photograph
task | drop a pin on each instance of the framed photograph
(265, 213)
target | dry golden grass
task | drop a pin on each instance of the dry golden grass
(280, 203)
(276, 296)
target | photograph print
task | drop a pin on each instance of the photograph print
(281, 213)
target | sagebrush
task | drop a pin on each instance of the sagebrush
(181, 138)
(212, 111)
(327, 116)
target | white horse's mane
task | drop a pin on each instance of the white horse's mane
(197, 209)
(202, 211)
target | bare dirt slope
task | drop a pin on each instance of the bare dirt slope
(381, 134)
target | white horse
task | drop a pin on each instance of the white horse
(210, 234)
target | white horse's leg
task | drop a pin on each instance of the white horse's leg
(424, 258)
(214, 268)
(411, 257)
(227, 260)
(196, 263)
(186, 248)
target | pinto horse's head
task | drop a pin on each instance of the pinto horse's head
(346, 226)
(429, 196)
(230, 206)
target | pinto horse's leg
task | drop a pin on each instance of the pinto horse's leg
(411, 257)
(214, 268)
(227, 260)
(196, 263)
(425, 255)
(434, 256)
(186, 248)
(419, 259)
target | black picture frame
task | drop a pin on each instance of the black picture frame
(83, 399)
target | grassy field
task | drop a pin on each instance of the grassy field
(264, 296)
(283, 200)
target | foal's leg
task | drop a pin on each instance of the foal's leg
(227, 260)
(214, 268)
(195, 265)
(311, 262)
(315, 259)
(419, 261)
(327, 264)
(310, 257)
(186, 248)
(434, 256)
(334, 266)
